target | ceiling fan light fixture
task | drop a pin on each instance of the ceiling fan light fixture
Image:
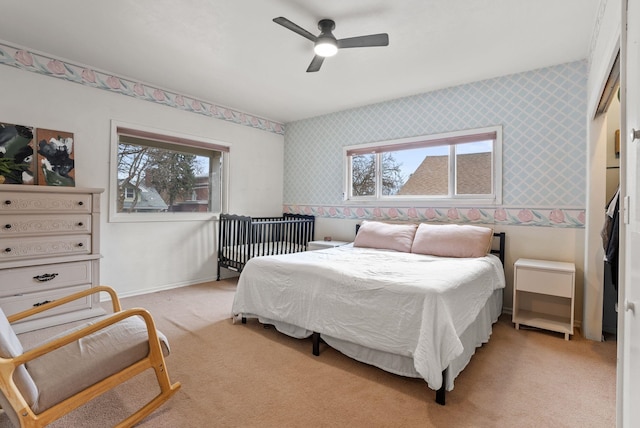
(325, 47)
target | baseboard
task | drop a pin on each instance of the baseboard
(161, 288)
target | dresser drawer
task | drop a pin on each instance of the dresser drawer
(14, 304)
(47, 246)
(22, 225)
(40, 278)
(24, 202)
(549, 282)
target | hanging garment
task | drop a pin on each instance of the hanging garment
(610, 237)
(610, 211)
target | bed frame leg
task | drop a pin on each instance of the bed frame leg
(440, 394)
(244, 320)
(315, 338)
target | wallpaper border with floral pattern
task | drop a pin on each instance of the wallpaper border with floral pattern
(566, 218)
(87, 76)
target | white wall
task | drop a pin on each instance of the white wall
(143, 257)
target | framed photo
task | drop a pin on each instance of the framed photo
(16, 154)
(55, 159)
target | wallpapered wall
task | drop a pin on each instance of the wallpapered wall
(544, 148)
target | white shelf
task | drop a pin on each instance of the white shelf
(545, 321)
(538, 282)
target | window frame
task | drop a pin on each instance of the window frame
(451, 199)
(171, 139)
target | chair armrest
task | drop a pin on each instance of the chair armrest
(99, 325)
(75, 296)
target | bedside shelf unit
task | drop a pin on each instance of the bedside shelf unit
(553, 282)
(321, 245)
(49, 248)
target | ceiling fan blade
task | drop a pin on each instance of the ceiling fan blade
(364, 41)
(295, 28)
(316, 62)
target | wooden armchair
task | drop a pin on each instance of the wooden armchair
(44, 383)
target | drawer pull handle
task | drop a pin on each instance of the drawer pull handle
(42, 303)
(45, 277)
(80, 203)
(7, 226)
(80, 244)
(80, 224)
(7, 202)
(7, 250)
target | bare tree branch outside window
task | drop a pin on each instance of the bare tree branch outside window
(172, 174)
(363, 170)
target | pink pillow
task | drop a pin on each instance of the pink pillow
(452, 240)
(385, 236)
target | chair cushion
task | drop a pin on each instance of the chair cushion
(78, 365)
(10, 347)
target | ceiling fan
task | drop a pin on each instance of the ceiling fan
(325, 44)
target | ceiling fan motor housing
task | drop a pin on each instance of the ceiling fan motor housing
(326, 44)
(326, 26)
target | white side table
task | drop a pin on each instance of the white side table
(321, 245)
(545, 283)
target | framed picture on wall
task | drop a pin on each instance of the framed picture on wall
(16, 154)
(55, 159)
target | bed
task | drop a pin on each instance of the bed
(414, 300)
(240, 238)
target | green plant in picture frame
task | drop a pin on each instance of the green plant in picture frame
(16, 154)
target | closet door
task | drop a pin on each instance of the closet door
(629, 290)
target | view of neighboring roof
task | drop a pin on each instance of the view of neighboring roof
(149, 200)
(431, 176)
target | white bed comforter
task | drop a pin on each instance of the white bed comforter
(402, 303)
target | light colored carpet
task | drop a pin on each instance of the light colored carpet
(236, 375)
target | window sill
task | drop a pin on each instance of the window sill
(160, 217)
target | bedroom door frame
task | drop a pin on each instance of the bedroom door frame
(628, 370)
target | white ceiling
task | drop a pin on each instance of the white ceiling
(229, 52)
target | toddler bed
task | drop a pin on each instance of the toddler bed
(240, 238)
(413, 300)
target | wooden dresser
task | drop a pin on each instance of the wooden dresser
(49, 248)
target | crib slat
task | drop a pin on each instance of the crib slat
(241, 238)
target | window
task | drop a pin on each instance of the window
(462, 167)
(160, 176)
(129, 193)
